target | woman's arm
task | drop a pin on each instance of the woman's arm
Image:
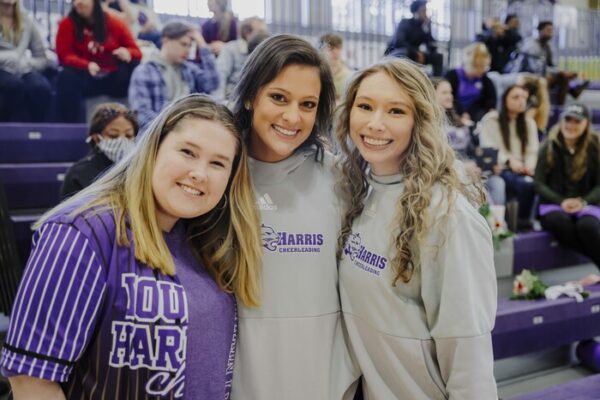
(29, 388)
(541, 172)
(458, 288)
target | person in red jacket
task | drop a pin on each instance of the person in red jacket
(97, 53)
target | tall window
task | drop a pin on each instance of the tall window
(198, 8)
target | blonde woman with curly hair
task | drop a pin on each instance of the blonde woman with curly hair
(128, 292)
(417, 278)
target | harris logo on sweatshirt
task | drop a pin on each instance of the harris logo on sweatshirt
(288, 242)
(361, 257)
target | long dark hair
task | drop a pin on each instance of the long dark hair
(98, 24)
(521, 124)
(265, 63)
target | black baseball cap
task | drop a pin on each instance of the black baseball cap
(577, 111)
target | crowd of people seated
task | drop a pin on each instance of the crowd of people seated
(498, 98)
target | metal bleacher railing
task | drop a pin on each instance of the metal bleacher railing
(367, 25)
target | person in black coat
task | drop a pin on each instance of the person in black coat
(413, 33)
(111, 135)
(567, 178)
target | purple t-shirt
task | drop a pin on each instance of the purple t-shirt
(469, 90)
(104, 325)
(212, 326)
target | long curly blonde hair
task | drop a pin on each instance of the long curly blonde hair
(429, 160)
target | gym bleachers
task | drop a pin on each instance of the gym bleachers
(581, 389)
(34, 158)
(33, 161)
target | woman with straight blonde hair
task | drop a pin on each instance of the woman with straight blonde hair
(417, 279)
(129, 275)
(474, 92)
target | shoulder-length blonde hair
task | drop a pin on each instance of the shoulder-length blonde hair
(226, 239)
(14, 32)
(429, 160)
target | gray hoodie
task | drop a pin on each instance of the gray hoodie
(430, 338)
(292, 347)
(17, 59)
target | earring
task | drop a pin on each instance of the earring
(247, 105)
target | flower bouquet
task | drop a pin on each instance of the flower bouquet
(494, 216)
(528, 286)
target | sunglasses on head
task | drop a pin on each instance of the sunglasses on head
(112, 113)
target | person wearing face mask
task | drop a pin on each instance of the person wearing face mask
(111, 135)
(567, 178)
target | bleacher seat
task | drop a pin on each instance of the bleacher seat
(28, 143)
(587, 388)
(539, 250)
(525, 326)
(34, 186)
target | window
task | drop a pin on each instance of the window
(199, 8)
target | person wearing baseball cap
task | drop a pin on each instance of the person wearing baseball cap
(567, 178)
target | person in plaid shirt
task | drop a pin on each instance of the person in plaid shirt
(168, 75)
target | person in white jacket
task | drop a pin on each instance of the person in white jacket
(417, 279)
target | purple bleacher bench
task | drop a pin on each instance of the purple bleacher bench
(587, 388)
(524, 326)
(539, 250)
(30, 186)
(594, 85)
(28, 142)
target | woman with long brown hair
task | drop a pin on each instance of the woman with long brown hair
(567, 178)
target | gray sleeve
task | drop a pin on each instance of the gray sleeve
(38, 60)
(459, 293)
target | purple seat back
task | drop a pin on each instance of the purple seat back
(527, 326)
(28, 143)
(34, 186)
(539, 250)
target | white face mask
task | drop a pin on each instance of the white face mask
(115, 149)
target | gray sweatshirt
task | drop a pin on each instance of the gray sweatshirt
(428, 339)
(293, 346)
(16, 59)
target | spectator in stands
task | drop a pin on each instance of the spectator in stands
(474, 92)
(539, 59)
(123, 10)
(168, 75)
(460, 139)
(538, 102)
(25, 93)
(331, 46)
(567, 178)
(501, 41)
(515, 136)
(221, 28)
(233, 56)
(98, 55)
(134, 293)
(417, 279)
(413, 39)
(511, 33)
(148, 24)
(111, 134)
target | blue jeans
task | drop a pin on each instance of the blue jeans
(522, 188)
